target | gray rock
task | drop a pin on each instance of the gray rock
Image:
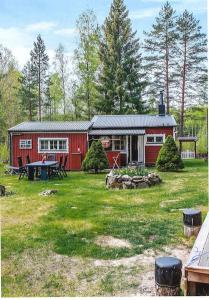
(128, 185)
(126, 178)
(48, 192)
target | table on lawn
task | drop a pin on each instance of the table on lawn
(44, 166)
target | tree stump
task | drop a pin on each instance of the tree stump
(192, 219)
(2, 190)
(167, 276)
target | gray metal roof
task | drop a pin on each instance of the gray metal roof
(52, 126)
(116, 131)
(187, 138)
(131, 121)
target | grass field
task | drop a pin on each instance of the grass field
(48, 243)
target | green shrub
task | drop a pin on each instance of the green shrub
(169, 158)
(140, 171)
(96, 158)
(4, 155)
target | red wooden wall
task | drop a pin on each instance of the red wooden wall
(74, 140)
(121, 159)
(151, 152)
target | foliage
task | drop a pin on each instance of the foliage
(159, 55)
(61, 67)
(169, 158)
(54, 95)
(39, 66)
(4, 154)
(202, 143)
(10, 108)
(139, 171)
(28, 92)
(192, 56)
(36, 233)
(87, 61)
(120, 81)
(95, 158)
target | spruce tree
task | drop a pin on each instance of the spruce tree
(27, 92)
(159, 46)
(191, 64)
(120, 81)
(169, 158)
(96, 158)
(39, 66)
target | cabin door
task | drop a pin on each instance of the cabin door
(135, 146)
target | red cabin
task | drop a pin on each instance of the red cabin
(129, 138)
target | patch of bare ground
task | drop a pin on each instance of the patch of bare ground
(45, 273)
(111, 242)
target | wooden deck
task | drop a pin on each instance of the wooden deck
(197, 267)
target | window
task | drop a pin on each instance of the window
(25, 144)
(120, 143)
(53, 145)
(155, 139)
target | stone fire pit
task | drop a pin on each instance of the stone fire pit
(118, 181)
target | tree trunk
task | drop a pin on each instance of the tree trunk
(63, 90)
(39, 89)
(167, 73)
(181, 130)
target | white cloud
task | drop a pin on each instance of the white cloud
(144, 13)
(66, 31)
(40, 26)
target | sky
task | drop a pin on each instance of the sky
(22, 20)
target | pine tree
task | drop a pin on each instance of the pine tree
(39, 66)
(96, 158)
(120, 79)
(192, 57)
(27, 92)
(159, 47)
(169, 158)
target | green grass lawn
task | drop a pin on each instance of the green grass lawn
(37, 230)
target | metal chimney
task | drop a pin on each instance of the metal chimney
(161, 106)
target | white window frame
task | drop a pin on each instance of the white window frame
(116, 137)
(25, 141)
(52, 139)
(155, 143)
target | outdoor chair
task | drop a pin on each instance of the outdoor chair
(22, 169)
(51, 156)
(56, 171)
(27, 159)
(116, 161)
(64, 166)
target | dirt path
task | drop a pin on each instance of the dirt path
(45, 273)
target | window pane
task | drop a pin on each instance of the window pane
(150, 139)
(159, 139)
(44, 145)
(53, 145)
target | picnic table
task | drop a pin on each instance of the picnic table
(45, 168)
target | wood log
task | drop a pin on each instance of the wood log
(190, 231)
(192, 219)
(167, 276)
(166, 291)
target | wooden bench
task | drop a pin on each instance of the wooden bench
(197, 267)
